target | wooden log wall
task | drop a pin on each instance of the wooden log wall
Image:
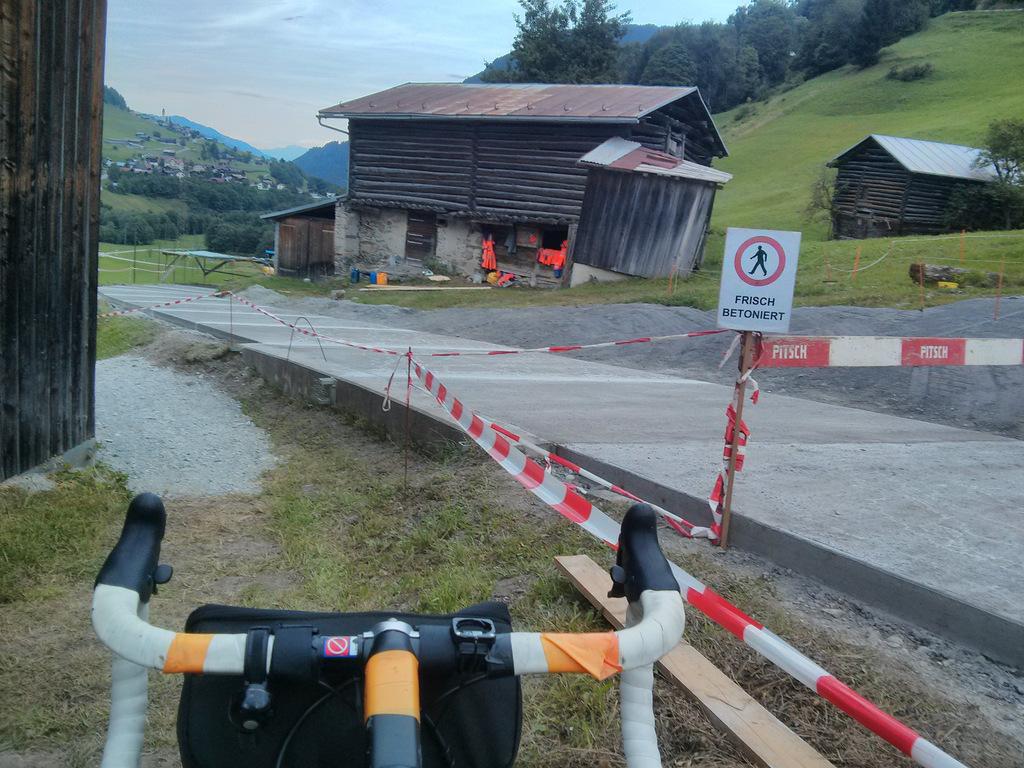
(875, 196)
(502, 171)
(643, 224)
(51, 109)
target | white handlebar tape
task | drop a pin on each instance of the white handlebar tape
(603, 654)
(128, 697)
(120, 628)
(636, 701)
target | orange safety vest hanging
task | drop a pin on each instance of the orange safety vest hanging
(554, 258)
(488, 260)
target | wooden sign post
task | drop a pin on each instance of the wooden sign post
(755, 296)
(746, 360)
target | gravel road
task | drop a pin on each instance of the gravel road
(983, 398)
(175, 434)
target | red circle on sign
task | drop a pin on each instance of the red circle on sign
(337, 646)
(738, 261)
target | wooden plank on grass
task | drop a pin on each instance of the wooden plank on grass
(761, 736)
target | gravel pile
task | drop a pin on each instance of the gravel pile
(175, 434)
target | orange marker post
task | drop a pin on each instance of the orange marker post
(999, 287)
(856, 263)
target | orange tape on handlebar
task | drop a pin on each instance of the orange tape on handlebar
(187, 653)
(595, 654)
(392, 685)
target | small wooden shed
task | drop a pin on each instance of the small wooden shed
(645, 213)
(304, 239)
(889, 186)
(51, 117)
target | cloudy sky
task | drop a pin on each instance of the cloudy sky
(259, 70)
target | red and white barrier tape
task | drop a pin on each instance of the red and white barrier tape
(571, 505)
(481, 353)
(119, 312)
(679, 524)
(858, 351)
(577, 347)
(310, 332)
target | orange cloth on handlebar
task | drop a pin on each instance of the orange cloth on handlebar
(187, 653)
(596, 654)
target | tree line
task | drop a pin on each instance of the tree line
(762, 45)
(228, 214)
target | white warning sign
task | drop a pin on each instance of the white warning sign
(758, 278)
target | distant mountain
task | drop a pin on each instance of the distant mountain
(285, 153)
(329, 162)
(213, 133)
(635, 33)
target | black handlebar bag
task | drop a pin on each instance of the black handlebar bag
(466, 720)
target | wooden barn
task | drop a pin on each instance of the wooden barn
(889, 186)
(304, 239)
(51, 112)
(438, 169)
(645, 213)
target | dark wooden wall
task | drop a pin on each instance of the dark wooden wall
(875, 196)
(501, 171)
(643, 224)
(305, 246)
(51, 109)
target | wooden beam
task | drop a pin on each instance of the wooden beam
(762, 737)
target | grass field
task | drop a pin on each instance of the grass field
(778, 147)
(140, 203)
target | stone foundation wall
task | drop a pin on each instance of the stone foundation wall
(346, 238)
(458, 246)
(381, 236)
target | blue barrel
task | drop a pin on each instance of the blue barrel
(354, 275)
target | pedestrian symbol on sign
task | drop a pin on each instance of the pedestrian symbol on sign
(760, 255)
(766, 257)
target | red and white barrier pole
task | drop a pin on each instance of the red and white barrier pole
(888, 351)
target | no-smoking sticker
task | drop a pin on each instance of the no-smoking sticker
(340, 646)
(758, 278)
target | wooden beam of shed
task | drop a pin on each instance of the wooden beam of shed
(761, 736)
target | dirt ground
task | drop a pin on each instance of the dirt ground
(983, 398)
(337, 504)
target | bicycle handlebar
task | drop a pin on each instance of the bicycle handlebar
(655, 622)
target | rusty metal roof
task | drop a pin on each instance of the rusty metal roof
(931, 157)
(621, 155)
(593, 103)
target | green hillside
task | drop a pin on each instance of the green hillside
(778, 147)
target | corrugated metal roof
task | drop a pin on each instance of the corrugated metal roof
(622, 155)
(602, 103)
(326, 202)
(932, 158)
